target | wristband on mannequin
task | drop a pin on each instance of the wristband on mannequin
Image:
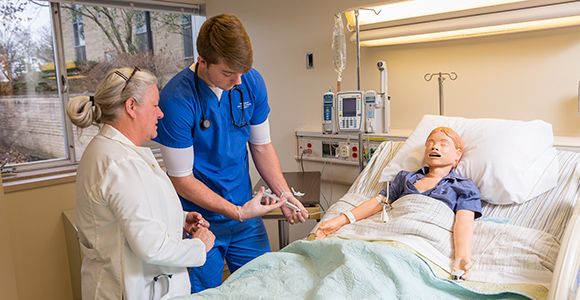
(350, 217)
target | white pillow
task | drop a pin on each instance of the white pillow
(509, 161)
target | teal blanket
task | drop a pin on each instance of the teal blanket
(342, 269)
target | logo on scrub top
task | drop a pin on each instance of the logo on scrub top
(246, 105)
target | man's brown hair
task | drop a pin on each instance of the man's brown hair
(223, 39)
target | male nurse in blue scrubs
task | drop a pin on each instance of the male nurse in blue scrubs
(213, 110)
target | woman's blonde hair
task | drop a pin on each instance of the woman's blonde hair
(223, 38)
(106, 106)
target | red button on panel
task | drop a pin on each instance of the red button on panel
(309, 145)
(354, 149)
(354, 155)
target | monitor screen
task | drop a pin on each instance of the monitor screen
(349, 107)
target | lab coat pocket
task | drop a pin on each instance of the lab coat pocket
(90, 253)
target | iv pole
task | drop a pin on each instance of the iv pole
(357, 35)
(356, 13)
(441, 78)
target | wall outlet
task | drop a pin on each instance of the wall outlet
(344, 151)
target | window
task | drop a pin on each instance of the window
(143, 31)
(93, 39)
(190, 25)
(187, 40)
(78, 32)
(31, 127)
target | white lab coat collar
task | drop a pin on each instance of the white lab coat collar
(113, 133)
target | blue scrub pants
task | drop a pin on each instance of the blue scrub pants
(237, 243)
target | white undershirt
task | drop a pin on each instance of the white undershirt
(218, 92)
(179, 161)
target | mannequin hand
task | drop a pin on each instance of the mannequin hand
(462, 263)
(291, 215)
(254, 207)
(331, 226)
(205, 236)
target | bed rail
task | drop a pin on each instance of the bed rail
(566, 278)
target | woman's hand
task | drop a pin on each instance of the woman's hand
(331, 226)
(197, 226)
(205, 236)
(193, 221)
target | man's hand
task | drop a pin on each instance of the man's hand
(254, 207)
(291, 215)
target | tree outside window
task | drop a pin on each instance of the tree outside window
(96, 40)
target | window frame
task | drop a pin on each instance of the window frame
(64, 164)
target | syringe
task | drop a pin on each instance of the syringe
(287, 203)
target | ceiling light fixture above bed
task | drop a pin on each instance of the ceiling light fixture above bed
(399, 23)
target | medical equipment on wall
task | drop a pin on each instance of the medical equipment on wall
(384, 98)
(338, 48)
(328, 113)
(373, 113)
(349, 111)
(378, 105)
(441, 78)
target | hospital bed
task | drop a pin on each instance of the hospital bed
(528, 249)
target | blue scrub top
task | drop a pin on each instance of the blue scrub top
(220, 152)
(455, 191)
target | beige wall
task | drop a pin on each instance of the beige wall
(7, 275)
(39, 255)
(523, 76)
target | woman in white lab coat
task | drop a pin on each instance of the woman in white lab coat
(128, 215)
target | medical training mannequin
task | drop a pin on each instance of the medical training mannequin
(128, 215)
(443, 150)
(214, 110)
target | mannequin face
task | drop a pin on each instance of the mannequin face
(440, 151)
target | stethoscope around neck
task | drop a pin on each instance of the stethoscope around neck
(205, 123)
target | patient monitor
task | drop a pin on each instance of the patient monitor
(349, 111)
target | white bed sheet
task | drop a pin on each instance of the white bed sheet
(543, 219)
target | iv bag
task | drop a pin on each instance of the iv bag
(338, 45)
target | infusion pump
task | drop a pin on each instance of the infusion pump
(349, 110)
(356, 111)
